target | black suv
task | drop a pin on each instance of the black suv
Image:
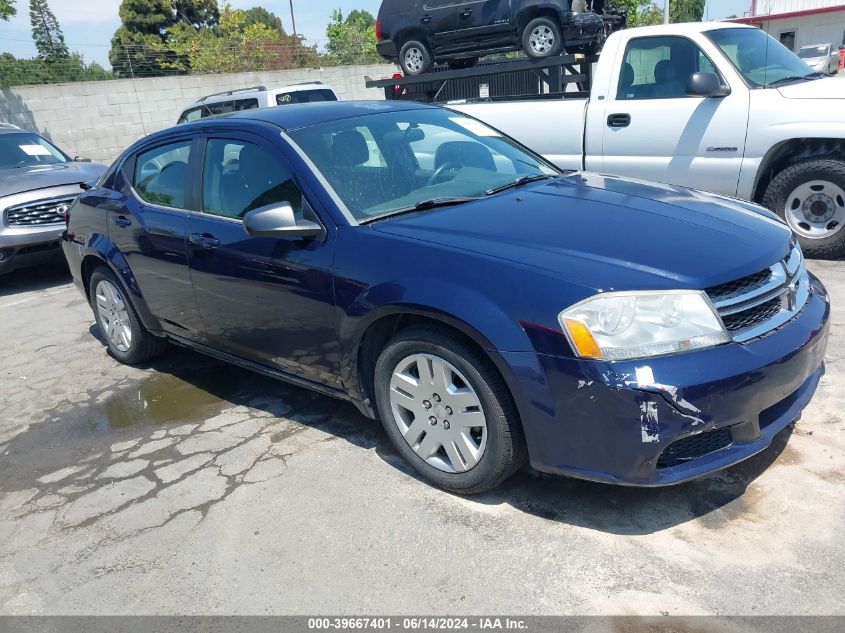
(417, 33)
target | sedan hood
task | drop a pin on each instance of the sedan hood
(824, 88)
(19, 180)
(586, 227)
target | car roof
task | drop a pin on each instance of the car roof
(299, 115)
(240, 94)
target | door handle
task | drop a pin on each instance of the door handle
(465, 13)
(619, 120)
(204, 240)
(425, 19)
(122, 220)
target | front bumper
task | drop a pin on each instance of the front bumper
(21, 248)
(604, 421)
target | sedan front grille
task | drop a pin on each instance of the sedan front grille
(759, 303)
(39, 212)
(693, 447)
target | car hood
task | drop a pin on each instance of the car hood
(19, 180)
(609, 233)
(824, 88)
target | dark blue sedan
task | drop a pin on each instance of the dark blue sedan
(485, 307)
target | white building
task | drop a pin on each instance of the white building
(797, 23)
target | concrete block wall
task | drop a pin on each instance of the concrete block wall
(99, 119)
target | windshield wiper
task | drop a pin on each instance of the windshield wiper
(522, 180)
(422, 205)
(792, 78)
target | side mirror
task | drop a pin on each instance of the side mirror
(706, 85)
(79, 159)
(278, 220)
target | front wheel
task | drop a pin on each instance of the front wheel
(414, 58)
(542, 38)
(810, 196)
(127, 338)
(447, 411)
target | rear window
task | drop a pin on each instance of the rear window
(808, 52)
(305, 96)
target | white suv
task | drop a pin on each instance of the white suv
(257, 97)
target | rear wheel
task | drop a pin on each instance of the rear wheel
(447, 411)
(542, 38)
(810, 196)
(414, 58)
(127, 338)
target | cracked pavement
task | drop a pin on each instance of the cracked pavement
(192, 487)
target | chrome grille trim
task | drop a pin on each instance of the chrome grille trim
(45, 212)
(755, 313)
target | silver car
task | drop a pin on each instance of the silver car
(823, 58)
(38, 182)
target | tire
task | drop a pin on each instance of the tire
(542, 38)
(460, 64)
(414, 58)
(440, 454)
(108, 297)
(810, 197)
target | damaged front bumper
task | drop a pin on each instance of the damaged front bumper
(668, 419)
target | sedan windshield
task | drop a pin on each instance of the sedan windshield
(391, 162)
(27, 150)
(759, 58)
(810, 52)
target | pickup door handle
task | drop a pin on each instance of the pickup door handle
(204, 240)
(122, 220)
(465, 13)
(619, 120)
(425, 19)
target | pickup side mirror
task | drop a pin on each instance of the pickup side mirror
(706, 85)
(278, 220)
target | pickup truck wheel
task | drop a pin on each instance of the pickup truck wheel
(810, 196)
(414, 58)
(127, 338)
(542, 38)
(447, 411)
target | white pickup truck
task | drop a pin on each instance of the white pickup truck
(716, 106)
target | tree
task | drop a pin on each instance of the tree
(137, 44)
(686, 11)
(7, 9)
(352, 40)
(650, 16)
(260, 15)
(48, 36)
(638, 11)
(18, 72)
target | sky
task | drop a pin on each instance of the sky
(88, 25)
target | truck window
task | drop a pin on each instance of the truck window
(659, 68)
(305, 96)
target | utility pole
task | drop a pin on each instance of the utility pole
(292, 19)
(666, 12)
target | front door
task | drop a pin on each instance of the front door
(653, 130)
(269, 300)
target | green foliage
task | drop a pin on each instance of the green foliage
(352, 40)
(17, 72)
(686, 11)
(48, 36)
(7, 9)
(650, 16)
(235, 46)
(260, 15)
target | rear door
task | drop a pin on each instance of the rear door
(268, 300)
(653, 130)
(147, 220)
(483, 22)
(439, 20)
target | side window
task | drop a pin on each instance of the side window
(245, 104)
(161, 174)
(239, 177)
(659, 67)
(191, 115)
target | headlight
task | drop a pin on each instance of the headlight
(624, 325)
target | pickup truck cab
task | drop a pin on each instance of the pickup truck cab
(714, 106)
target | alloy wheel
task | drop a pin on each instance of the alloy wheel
(414, 59)
(815, 209)
(114, 317)
(438, 413)
(541, 40)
